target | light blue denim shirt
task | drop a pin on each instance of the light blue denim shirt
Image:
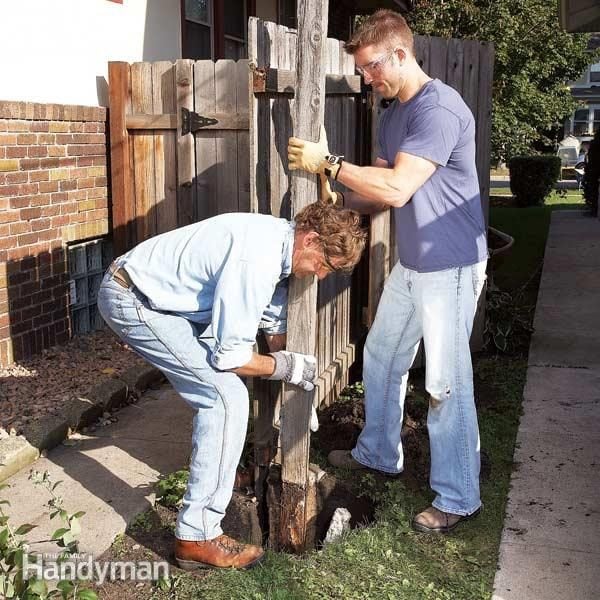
(230, 271)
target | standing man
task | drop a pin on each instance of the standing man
(190, 301)
(425, 170)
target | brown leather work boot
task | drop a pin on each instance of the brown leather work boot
(221, 552)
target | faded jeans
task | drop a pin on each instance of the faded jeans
(439, 308)
(181, 350)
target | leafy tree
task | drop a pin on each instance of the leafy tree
(534, 59)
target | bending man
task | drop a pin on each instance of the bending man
(190, 302)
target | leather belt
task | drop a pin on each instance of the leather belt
(121, 276)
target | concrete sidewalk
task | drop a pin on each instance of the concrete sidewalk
(109, 474)
(550, 547)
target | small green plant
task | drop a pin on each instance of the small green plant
(508, 323)
(171, 488)
(532, 177)
(14, 548)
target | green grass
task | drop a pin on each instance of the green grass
(529, 227)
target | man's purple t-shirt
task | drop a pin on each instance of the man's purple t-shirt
(442, 226)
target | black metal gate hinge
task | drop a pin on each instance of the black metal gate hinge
(192, 121)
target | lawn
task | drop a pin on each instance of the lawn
(529, 227)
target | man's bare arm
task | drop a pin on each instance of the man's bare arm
(379, 186)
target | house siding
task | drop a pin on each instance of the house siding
(53, 190)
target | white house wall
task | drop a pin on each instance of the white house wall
(57, 51)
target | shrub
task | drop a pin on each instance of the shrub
(532, 177)
(592, 174)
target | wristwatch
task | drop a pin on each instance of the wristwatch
(336, 162)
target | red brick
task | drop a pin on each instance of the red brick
(78, 195)
(60, 221)
(64, 138)
(9, 190)
(24, 139)
(101, 181)
(40, 200)
(48, 234)
(85, 161)
(50, 211)
(28, 238)
(48, 186)
(20, 227)
(16, 152)
(85, 150)
(39, 224)
(39, 175)
(9, 216)
(40, 126)
(28, 164)
(8, 139)
(68, 184)
(67, 162)
(37, 151)
(17, 177)
(46, 139)
(59, 197)
(78, 173)
(76, 127)
(90, 127)
(20, 202)
(87, 182)
(57, 151)
(49, 163)
(8, 242)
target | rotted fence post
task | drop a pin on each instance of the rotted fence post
(298, 505)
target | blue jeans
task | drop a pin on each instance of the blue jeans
(181, 350)
(438, 308)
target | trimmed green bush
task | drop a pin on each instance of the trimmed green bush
(592, 174)
(532, 177)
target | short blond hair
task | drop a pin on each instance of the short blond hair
(340, 232)
(385, 27)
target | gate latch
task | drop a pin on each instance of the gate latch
(192, 121)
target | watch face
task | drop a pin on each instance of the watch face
(332, 160)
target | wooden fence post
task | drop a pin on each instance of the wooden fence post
(121, 185)
(298, 494)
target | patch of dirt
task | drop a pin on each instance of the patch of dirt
(341, 423)
(30, 390)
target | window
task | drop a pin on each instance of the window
(287, 13)
(198, 29)
(596, 121)
(215, 29)
(581, 122)
(235, 20)
(595, 73)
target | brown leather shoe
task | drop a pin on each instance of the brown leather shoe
(221, 552)
(433, 520)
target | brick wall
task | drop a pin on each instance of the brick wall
(53, 190)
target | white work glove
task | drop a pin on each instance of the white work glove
(309, 156)
(295, 368)
(314, 419)
(328, 196)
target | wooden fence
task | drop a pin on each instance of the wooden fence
(190, 140)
